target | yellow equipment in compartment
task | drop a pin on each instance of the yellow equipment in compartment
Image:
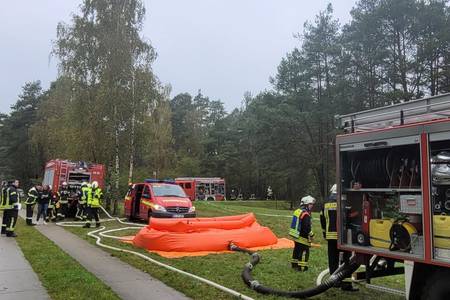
(441, 226)
(379, 232)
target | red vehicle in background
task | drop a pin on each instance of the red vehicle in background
(157, 199)
(202, 188)
(58, 171)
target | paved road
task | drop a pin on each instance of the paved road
(126, 281)
(17, 279)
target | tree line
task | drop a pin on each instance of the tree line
(108, 106)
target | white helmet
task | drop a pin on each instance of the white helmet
(333, 189)
(307, 200)
(94, 184)
(64, 183)
(84, 183)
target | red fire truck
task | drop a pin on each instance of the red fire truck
(74, 173)
(393, 174)
(201, 188)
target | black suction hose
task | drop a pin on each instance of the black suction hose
(342, 272)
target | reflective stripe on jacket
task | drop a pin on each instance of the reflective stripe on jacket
(33, 195)
(328, 219)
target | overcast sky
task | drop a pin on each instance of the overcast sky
(223, 47)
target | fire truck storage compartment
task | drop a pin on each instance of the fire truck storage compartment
(440, 193)
(381, 196)
(390, 167)
(78, 177)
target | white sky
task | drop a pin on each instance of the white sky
(223, 47)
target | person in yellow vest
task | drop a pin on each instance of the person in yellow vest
(93, 204)
(302, 234)
(82, 199)
(11, 206)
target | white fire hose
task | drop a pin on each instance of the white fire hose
(103, 233)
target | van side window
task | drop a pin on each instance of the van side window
(187, 185)
(146, 192)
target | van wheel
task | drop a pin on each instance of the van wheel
(437, 286)
(149, 216)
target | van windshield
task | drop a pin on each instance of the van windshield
(168, 190)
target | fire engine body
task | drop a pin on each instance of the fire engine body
(58, 171)
(393, 175)
(200, 188)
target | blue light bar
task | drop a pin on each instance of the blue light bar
(150, 180)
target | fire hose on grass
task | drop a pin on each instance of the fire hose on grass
(103, 233)
(342, 272)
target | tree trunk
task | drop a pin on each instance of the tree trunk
(117, 163)
(133, 124)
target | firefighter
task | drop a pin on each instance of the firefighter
(63, 196)
(51, 209)
(11, 207)
(32, 199)
(82, 199)
(93, 204)
(328, 219)
(301, 233)
(3, 204)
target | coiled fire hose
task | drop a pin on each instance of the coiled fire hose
(103, 233)
(342, 272)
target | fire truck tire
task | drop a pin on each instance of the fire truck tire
(437, 286)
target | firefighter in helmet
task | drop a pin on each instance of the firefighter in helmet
(301, 233)
(82, 199)
(11, 205)
(328, 219)
(30, 202)
(63, 195)
(93, 204)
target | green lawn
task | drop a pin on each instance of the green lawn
(274, 269)
(62, 276)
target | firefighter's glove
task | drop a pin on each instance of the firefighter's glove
(17, 206)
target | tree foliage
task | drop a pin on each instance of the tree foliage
(107, 105)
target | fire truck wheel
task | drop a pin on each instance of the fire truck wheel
(437, 286)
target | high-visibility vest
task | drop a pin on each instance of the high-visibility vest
(96, 197)
(296, 227)
(330, 215)
(33, 195)
(85, 195)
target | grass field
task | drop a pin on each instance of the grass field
(274, 269)
(62, 276)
